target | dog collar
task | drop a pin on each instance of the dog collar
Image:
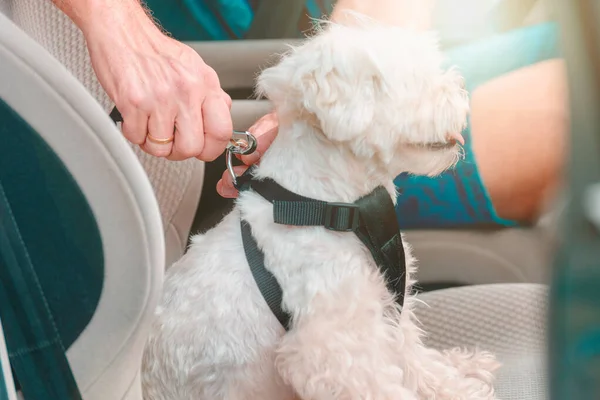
(372, 218)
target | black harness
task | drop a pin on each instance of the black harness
(372, 218)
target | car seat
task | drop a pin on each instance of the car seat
(79, 227)
(508, 320)
(177, 185)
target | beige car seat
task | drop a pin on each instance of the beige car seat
(42, 103)
(509, 320)
(177, 185)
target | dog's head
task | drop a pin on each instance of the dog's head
(378, 90)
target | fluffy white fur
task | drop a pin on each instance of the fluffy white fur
(357, 106)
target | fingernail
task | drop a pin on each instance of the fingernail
(228, 192)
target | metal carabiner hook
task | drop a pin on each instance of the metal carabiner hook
(242, 143)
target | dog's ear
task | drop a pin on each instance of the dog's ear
(331, 81)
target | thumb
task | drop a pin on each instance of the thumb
(265, 131)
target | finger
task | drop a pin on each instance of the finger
(225, 185)
(226, 191)
(135, 126)
(218, 127)
(189, 139)
(263, 143)
(161, 126)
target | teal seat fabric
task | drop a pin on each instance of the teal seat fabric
(3, 383)
(3, 389)
(51, 245)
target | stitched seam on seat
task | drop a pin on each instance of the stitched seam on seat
(32, 270)
(43, 345)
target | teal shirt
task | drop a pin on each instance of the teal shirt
(200, 20)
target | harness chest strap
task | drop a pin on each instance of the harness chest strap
(372, 218)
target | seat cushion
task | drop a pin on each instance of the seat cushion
(506, 319)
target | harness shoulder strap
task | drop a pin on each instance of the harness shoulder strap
(372, 218)
(266, 282)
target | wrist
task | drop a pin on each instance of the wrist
(110, 17)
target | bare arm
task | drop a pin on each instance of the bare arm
(408, 13)
(86, 13)
(171, 101)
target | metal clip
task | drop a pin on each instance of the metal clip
(242, 143)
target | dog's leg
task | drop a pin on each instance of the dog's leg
(452, 374)
(343, 347)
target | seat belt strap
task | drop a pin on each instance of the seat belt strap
(36, 351)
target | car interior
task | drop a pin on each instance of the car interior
(83, 249)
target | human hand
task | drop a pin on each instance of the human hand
(171, 101)
(265, 130)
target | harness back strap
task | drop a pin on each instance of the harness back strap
(372, 218)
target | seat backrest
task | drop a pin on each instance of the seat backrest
(86, 217)
(177, 184)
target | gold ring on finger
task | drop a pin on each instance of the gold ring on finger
(154, 140)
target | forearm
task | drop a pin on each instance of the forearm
(111, 13)
(408, 13)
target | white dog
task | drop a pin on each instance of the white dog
(357, 105)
